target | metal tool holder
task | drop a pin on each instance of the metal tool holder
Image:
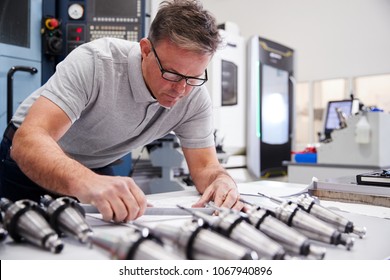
(67, 217)
(3, 234)
(314, 228)
(291, 239)
(137, 244)
(235, 226)
(312, 206)
(199, 243)
(25, 220)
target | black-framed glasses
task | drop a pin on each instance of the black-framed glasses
(176, 77)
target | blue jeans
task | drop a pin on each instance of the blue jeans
(15, 185)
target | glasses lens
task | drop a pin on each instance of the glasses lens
(172, 77)
(195, 82)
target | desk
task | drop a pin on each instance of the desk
(303, 172)
(375, 246)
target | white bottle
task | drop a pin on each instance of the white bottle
(363, 130)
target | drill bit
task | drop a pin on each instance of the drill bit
(25, 220)
(68, 217)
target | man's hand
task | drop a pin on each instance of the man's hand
(117, 198)
(223, 192)
(211, 179)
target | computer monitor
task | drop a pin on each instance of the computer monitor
(331, 120)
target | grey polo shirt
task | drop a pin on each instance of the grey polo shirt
(101, 88)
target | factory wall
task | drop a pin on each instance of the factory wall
(331, 38)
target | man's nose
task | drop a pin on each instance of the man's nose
(180, 86)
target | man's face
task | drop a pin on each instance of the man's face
(169, 57)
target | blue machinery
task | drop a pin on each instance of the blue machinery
(36, 35)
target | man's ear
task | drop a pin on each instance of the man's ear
(145, 47)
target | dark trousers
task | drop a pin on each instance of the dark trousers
(14, 184)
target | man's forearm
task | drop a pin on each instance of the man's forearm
(205, 177)
(43, 161)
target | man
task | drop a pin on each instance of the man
(110, 96)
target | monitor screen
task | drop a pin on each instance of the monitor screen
(331, 118)
(117, 8)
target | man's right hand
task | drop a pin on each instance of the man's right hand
(117, 198)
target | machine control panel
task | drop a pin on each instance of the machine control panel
(87, 20)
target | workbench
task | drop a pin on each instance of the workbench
(375, 246)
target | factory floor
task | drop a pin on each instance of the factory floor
(242, 175)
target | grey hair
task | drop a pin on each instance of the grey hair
(186, 24)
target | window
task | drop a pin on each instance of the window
(311, 99)
(374, 91)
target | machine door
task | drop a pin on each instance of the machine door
(20, 45)
(270, 107)
(275, 99)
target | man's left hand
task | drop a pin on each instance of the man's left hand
(223, 192)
